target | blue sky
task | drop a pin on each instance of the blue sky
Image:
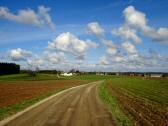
(108, 35)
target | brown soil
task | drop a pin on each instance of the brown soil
(144, 113)
(80, 106)
(16, 92)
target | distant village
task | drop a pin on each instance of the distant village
(131, 74)
(11, 68)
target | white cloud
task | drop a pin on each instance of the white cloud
(40, 61)
(160, 34)
(135, 62)
(108, 43)
(43, 12)
(134, 17)
(111, 51)
(68, 42)
(29, 16)
(104, 61)
(35, 63)
(55, 57)
(138, 20)
(127, 33)
(19, 54)
(111, 47)
(118, 58)
(95, 28)
(130, 48)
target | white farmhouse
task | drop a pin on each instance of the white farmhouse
(66, 74)
(156, 75)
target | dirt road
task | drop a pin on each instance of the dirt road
(79, 106)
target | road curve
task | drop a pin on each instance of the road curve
(80, 106)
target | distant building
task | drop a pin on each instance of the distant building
(66, 74)
(101, 73)
(156, 75)
(131, 74)
(117, 74)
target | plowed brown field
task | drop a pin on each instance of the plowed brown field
(16, 92)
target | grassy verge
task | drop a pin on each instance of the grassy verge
(116, 109)
(7, 111)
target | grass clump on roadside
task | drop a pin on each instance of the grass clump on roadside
(10, 110)
(117, 112)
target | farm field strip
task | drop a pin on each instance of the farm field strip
(153, 90)
(136, 99)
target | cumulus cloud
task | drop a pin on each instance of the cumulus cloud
(95, 28)
(127, 33)
(111, 47)
(68, 42)
(138, 20)
(160, 35)
(151, 61)
(35, 63)
(29, 16)
(118, 58)
(130, 48)
(104, 61)
(40, 61)
(108, 43)
(135, 23)
(19, 54)
(111, 51)
(43, 12)
(135, 18)
(55, 57)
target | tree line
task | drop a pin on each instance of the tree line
(9, 68)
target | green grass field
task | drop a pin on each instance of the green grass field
(40, 76)
(90, 77)
(143, 101)
(26, 77)
(151, 89)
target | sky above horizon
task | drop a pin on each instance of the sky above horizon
(90, 35)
